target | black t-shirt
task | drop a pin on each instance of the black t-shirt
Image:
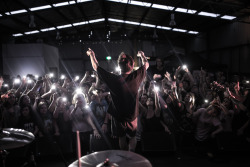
(27, 124)
(124, 93)
(153, 70)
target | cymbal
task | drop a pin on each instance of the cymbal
(115, 158)
(14, 138)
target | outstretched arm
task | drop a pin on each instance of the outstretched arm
(94, 62)
(143, 59)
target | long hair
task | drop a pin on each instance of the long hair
(129, 59)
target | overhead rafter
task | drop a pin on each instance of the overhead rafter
(104, 14)
(84, 15)
(62, 15)
(142, 18)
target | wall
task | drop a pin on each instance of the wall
(73, 58)
(228, 45)
(23, 59)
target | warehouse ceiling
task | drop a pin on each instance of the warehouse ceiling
(55, 21)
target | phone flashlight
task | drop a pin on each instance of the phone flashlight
(29, 81)
(77, 78)
(156, 88)
(62, 76)
(118, 69)
(17, 81)
(51, 75)
(78, 90)
(64, 99)
(184, 67)
(206, 100)
(53, 87)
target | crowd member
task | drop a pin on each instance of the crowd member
(157, 71)
(124, 92)
(208, 125)
(151, 115)
(176, 96)
(99, 108)
(82, 122)
(61, 116)
(10, 111)
(27, 122)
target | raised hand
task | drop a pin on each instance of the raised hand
(90, 52)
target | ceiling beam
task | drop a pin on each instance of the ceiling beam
(62, 15)
(136, 30)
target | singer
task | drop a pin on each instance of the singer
(124, 92)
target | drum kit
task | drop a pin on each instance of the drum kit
(14, 138)
(112, 158)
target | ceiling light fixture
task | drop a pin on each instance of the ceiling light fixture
(155, 36)
(32, 23)
(172, 22)
(228, 17)
(58, 36)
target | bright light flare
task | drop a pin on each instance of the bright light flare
(118, 69)
(77, 78)
(64, 99)
(51, 75)
(29, 81)
(184, 67)
(62, 76)
(78, 90)
(156, 88)
(17, 81)
(53, 87)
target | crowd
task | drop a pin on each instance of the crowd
(207, 107)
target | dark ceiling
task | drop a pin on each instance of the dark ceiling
(142, 12)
